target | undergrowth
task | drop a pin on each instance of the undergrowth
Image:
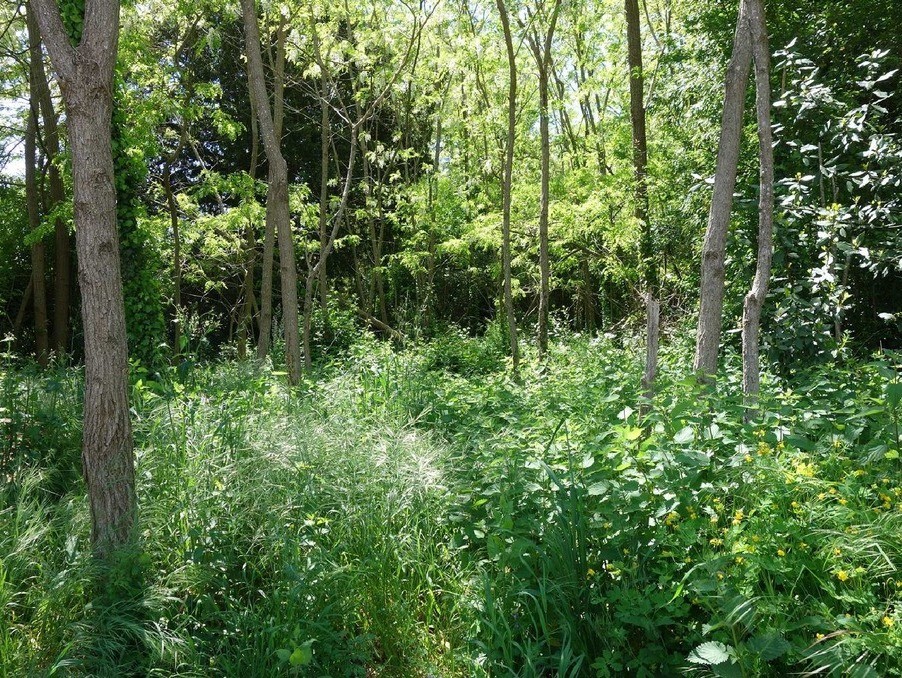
(424, 513)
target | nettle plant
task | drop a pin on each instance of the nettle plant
(839, 237)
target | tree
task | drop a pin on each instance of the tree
(506, 183)
(277, 214)
(85, 74)
(540, 46)
(648, 268)
(754, 300)
(32, 199)
(710, 317)
(62, 269)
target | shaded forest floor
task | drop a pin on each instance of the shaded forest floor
(420, 513)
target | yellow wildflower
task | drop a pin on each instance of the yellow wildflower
(888, 622)
(781, 552)
(842, 575)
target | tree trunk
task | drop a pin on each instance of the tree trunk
(245, 323)
(85, 74)
(176, 259)
(544, 262)
(26, 299)
(269, 238)
(277, 214)
(325, 141)
(710, 318)
(641, 209)
(62, 266)
(754, 300)
(541, 51)
(38, 248)
(506, 185)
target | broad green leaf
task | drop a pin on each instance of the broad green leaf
(684, 435)
(769, 646)
(710, 653)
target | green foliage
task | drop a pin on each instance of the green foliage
(142, 265)
(416, 512)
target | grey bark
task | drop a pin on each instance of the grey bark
(85, 75)
(277, 215)
(325, 141)
(754, 300)
(710, 319)
(245, 323)
(62, 261)
(506, 185)
(641, 209)
(541, 50)
(32, 199)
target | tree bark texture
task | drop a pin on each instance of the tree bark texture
(277, 215)
(506, 185)
(32, 199)
(325, 141)
(541, 50)
(86, 79)
(62, 261)
(710, 319)
(754, 300)
(641, 211)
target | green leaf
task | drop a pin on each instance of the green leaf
(302, 655)
(769, 646)
(284, 655)
(632, 433)
(894, 394)
(710, 653)
(598, 489)
(684, 435)
(727, 670)
(801, 442)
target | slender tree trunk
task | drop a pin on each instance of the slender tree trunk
(710, 320)
(245, 326)
(754, 300)
(641, 209)
(506, 185)
(542, 52)
(85, 74)
(277, 213)
(269, 239)
(62, 267)
(544, 260)
(176, 259)
(325, 141)
(26, 300)
(38, 248)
